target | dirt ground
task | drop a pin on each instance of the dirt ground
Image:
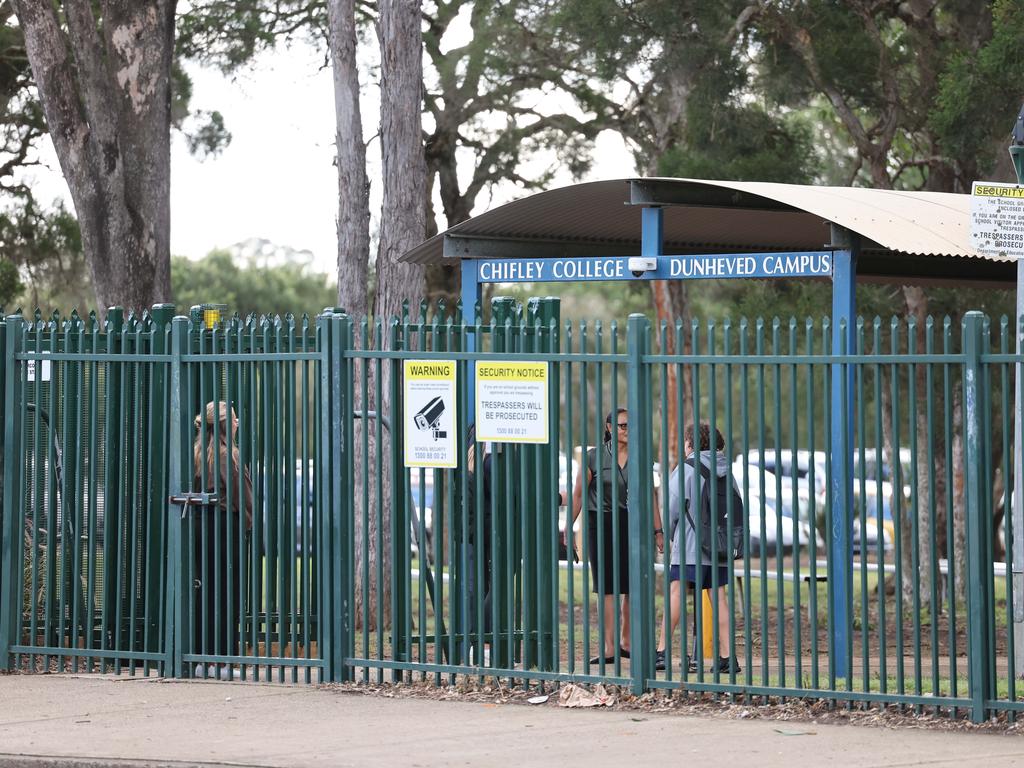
(768, 709)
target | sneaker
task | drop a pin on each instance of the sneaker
(226, 673)
(726, 664)
(691, 666)
(659, 661)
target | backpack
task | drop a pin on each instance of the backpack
(714, 517)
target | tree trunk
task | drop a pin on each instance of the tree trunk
(670, 306)
(958, 560)
(404, 168)
(105, 89)
(353, 266)
(917, 308)
(353, 189)
(404, 210)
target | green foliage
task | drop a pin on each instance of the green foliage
(217, 278)
(741, 142)
(229, 33)
(45, 248)
(10, 283)
(980, 92)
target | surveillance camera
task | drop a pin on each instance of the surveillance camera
(429, 418)
(640, 264)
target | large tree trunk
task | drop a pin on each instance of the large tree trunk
(353, 265)
(353, 189)
(104, 84)
(404, 210)
(404, 168)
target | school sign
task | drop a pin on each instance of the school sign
(702, 267)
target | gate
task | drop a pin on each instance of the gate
(122, 551)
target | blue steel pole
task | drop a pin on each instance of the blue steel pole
(470, 297)
(844, 274)
(651, 228)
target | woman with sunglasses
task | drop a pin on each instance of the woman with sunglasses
(608, 529)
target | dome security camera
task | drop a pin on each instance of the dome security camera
(638, 265)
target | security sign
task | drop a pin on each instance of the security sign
(512, 402)
(430, 413)
(997, 219)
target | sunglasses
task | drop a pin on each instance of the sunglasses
(622, 425)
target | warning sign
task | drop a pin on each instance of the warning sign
(430, 413)
(997, 219)
(512, 402)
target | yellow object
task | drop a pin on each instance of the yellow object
(709, 622)
(211, 317)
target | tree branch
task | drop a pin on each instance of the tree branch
(55, 75)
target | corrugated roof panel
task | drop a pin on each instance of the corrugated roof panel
(796, 218)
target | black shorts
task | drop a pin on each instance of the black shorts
(706, 580)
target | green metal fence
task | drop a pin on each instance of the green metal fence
(106, 509)
(349, 565)
(927, 603)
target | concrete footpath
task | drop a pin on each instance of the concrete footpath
(99, 721)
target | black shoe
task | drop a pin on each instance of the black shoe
(659, 661)
(623, 652)
(607, 660)
(726, 664)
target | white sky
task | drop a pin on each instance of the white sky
(276, 179)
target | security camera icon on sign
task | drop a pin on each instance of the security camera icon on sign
(429, 418)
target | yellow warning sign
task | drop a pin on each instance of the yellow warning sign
(429, 413)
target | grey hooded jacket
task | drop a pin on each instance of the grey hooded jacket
(684, 492)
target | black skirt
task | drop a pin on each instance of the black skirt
(602, 562)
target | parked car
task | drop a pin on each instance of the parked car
(796, 465)
(771, 506)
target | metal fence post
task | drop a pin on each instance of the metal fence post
(111, 454)
(325, 480)
(177, 479)
(401, 597)
(5, 364)
(10, 601)
(505, 518)
(158, 489)
(975, 473)
(639, 505)
(342, 525)
(844, 287)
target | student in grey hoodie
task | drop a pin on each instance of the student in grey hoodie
(680, 528)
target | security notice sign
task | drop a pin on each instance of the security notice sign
(430, 413)
(997, 219)
(512, 402)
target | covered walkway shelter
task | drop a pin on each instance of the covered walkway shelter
(664, 228)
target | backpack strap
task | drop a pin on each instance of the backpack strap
(705, 472)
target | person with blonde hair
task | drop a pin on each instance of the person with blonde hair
(218, 551)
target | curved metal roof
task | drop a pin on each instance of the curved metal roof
(905, 236)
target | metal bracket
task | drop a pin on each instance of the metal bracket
(187, 500)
